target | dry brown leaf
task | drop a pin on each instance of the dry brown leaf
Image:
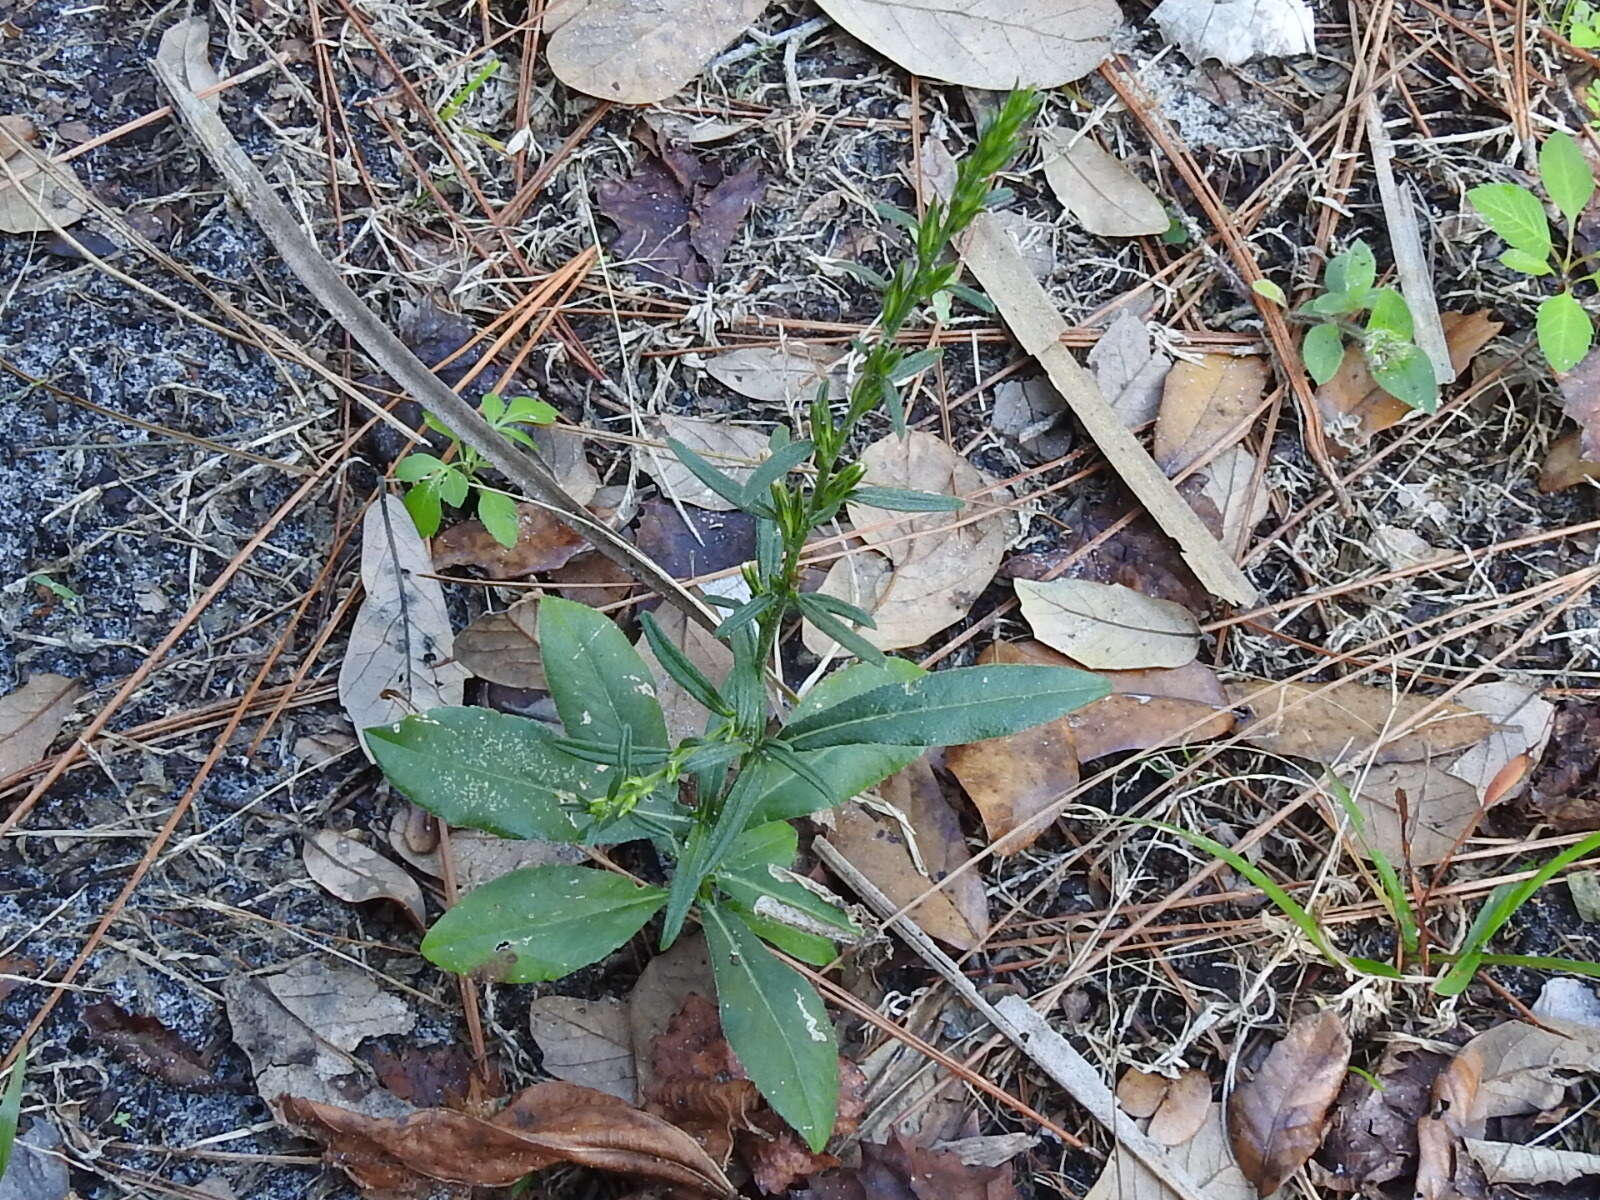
(35, 203)
(1106, 626)
(684, 716)
(1204, 1158)
(1345, 722)
(1229, 483)
(356, 873)
(1522, 723)
(30, 718)
(787, 375)
(1372, 1134)
(1438, 808)
(1580, 400)
(503, 647)
(186, 45)
(147, 1044)
(1352, 399)
(994, 44)
(1512, 1162)
(478, 857)
(1131, 374)
(666, 982)
(1140, 1093)
(876, 846)
(1203, 406)
(399, 656)
(1450, 1117)
(543, 1125)
(1565, 466)
(1525, 1068)
(642, 51)
(1276, 1119)
(1184, 1108)
(908, 1170)
(1095, 187)
(586, 1042)
(735, 450)
(921, 462)
(544, 542)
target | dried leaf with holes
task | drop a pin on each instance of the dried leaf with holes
(503, 647)
(1131, 374)
(586, 1042)
(1276, 1119)
(684, 716)
(1235, 31)
(640, 53)
(30, 200)
(788, 375)
(1336, 722)
(1106, 626)
(735, 450)
(544, 542)
(1107, 199)
(996, 44)
(356, 873)
(398, 657)
(1204, 405)
(30, 718)
(904, 867)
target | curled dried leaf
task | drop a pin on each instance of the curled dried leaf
(1276, 1119)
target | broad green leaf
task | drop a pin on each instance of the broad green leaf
(1391, 313)
(1265, 287)
(746, 875)
(849, 770)
(598, 680)
(487, 770)
(1565, 331)
(453, 484)
(492, 407)
(529, 410)
(416, 467)
(777, 1026)
(1353, 271)
(498, 512)
(11, 1108)
(796, 943)
(1515, 214)
(1406, 374)
(1565, 173)
(1521, 260)
(949, 708)
(540, 923)
(1322, 351)
(1334, 304)
(422, 502)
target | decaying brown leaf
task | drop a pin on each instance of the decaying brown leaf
(922, 462)
(1580, 399)
(1229, 485)
(1565, 466)
(906, 1170)
(789, 374)
(1131, 374)
(1203, 405)
(1512, 1162)
(31, 716)
(666, 982)
(478, 857)
(503, 647)
(1372, 1134)
(1333, 723)
(633, 53)
(1106, 626)
(356, 873)
(684, 716)
(35, 203)
(1107, 199)
(544, 542)
(1414, 812)
(879, 848)
(1203, 1158)
(426, 1076)
(1184, 1108)
(543, 1125)
(735, 450)
(1451, 1116)
(586, 1042)
(1563, 786)
(148, 1045)
(1276, 1119)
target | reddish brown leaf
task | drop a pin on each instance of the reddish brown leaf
(1372, 1133)
(1451, 1116)
(544, 542)
(1564, 788)
(904, 1170)
(1203, 406)
(1580, 399)
(1276, 1120)
(503, 647)
(719, 216)
(1565, 466)
(148, 1045)
(426, 1076)
(543, 1125)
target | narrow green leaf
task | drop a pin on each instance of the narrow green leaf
(906, 500)
(723, 485)
(975, 298)
(416, 466)
(598, 680)
(829, 624)
(913, 365)
(746, 874)
(1515, 214)
(1565, 173)
(896, 215)
(949, 708)
(861, 272)
(1565, 331)
(843, 609)
(1391, 313)
(777, 1026)
(422, 502)
(540, 923)
(1521, 260)
(774, 467)
(11, 1108)
(498, 512)
(1536, 962)
(1406, 373)
(678, 665)
(810, 948)
(1394, 895)
(1322, 351)
(745, 614)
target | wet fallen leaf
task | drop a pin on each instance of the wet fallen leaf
(1204, 405)
(503, 647)
(1107, 198)
(684, 716)
(1565, 466)
(35, 203)
(397, 660)
(985, 43)
(1276, 1119)
(148, 1045)
(1203, 1158)
(1580, 400)
(543, 1125)
(1130, 372)
(1522, 723)
(1352, 398)
(425, 1076)
(1229, 482)
(356, 873)
(905, 1170)
(1563, 790)
(586, 1042)
(735, 450)
(789, 374)
(544, 542)
(1028, 411)
(1107, 626)
(1348, 722)
(1372, 1134)
(1511, 1162)
(1235, 31)
(878, 847)
(31, 716)
(666, 982)
(633, 53)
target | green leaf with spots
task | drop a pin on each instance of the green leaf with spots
(1322, 351)
(597, 679)
(1406, 373)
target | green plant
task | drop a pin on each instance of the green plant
(1397, 365)
(434, 482)
(11, 1108)
(1564, 328)
(717, 806)
(1582, 21)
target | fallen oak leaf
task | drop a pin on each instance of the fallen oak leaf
(356, 873)
(630, 52)
(1107, 626)
(1276, 1119)
(1203, 405)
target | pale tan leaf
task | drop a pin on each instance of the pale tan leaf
(1140, 1093)
(586, 1042)
(356, 873)
(1204, 405)
(1229, 482)
(398, 659)
(1107, 199)
(1204, 1158)
(34, 203)
(642, 51)
(1235, 31)
(31, 716)
(997, 44)
(1512, 1162)
(1331, 723)
(186, 47)
(1526, 1068)
(787, 375)
(503, 647)
(735, 450)
(1131, 374)
(1438, 809)
(1276, 1119)
(478, 857)
(1400, 548)
(1565, 466)
(924, 463)
(1184, 1108)
(684, 716)
(1522, 723)
(1107, 626)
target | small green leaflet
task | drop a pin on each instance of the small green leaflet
(1391, 313)
(1353, 271)
(1521, 260)
(1515, 214)
(597, 679)
(498, 512)
(1565, 331)
(1565, 174)
(1322, 352)
(1270, 290)
(540, 923)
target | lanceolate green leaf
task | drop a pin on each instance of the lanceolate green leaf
(11, 1108)
(949, 708)
(1565, 331)
(1515, 214)
(1565, 173)
(540, 923)
(777, 1026)
(1521, 260)
(598, 680)
(747, 876)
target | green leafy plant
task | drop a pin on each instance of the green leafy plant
(1582, 24)
(11, 1108)
(435, 482)
(1350, 289)
(717, 806)
(1565, 329)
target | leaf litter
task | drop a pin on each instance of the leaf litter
(31, 716)
(1105, 197)
(356, 873)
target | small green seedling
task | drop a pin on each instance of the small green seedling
(435, 482)
(717, 806)
(1350, 289)
(1516, 213)
(1582, 23)
(11, 1108)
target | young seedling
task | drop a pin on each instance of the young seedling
(435, 482)
(1516, 213)
(717, 806)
